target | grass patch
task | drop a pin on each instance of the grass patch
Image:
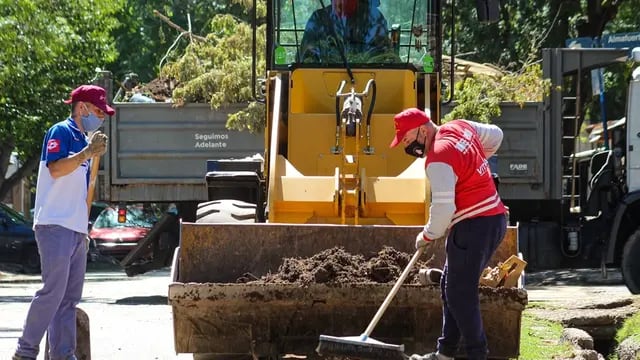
(630, 328)
(540, 339)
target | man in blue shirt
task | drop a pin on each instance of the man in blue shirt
(60, 224)
(356, 25)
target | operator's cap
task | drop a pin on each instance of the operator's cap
(407, 120)
(92, 94)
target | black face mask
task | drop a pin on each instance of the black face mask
(415, 148)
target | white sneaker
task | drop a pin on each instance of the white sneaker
(430, 356)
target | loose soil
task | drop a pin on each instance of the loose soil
(159, 89)
(336, 266)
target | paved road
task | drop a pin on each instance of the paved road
(562, 286)
(130, 318)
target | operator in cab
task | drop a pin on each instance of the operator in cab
(356, 27)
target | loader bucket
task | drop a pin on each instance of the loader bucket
(214, 315)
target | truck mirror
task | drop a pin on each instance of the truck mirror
(488, 10)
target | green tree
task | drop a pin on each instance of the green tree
(217, 69)
(526, 26)
(48, 48)
(142, 38)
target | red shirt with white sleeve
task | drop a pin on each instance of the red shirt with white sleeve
(461, 183)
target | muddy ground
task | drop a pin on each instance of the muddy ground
(337, 266)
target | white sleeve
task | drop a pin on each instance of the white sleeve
(490, 137)
(443, 194)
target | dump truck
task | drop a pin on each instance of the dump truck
(576, 202)
(327, 179)
(158, 155)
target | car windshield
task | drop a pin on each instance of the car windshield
(13, 215)
(136, 217)
(365, 32)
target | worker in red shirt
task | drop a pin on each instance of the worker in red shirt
(464, 200)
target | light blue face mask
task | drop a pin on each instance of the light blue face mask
(90, 122)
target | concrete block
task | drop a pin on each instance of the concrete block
(629, 349)
(83, 339)
(580, 339)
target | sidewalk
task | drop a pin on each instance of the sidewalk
(98, 270)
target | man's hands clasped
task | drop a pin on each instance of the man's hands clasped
(97, 145)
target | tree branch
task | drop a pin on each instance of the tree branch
(536, 44)
(176, 26)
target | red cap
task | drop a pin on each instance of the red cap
(407, 120)
(92, 94)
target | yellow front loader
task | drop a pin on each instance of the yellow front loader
(327, 178)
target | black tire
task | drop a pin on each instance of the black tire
(631, 263)
(225, 211)
(31, 260)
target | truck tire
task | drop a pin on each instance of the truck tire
(225, 211)
(631, 263)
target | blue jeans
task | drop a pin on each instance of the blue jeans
(469, 247)
(63, 261)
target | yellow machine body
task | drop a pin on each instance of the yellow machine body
(310, 183)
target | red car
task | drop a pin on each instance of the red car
(117, 237)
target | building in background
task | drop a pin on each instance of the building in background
(19, 198)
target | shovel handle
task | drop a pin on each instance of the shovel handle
(95, 164)
(392, 293)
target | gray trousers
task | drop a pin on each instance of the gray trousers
(63, 260)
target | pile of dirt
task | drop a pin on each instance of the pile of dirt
(159, 89)
(336, 266)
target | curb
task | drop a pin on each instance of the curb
(8, 278)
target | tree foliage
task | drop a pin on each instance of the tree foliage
(48, 48)
(478, 98)
(525, 27)
(142, 39)
(218, 70)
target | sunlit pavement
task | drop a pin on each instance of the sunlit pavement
(130, 318)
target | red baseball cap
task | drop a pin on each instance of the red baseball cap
(407, 120)
(92, 94)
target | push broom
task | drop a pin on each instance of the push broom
(363, 346)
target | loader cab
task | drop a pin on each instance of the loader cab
(360, 33)
(354, 40)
